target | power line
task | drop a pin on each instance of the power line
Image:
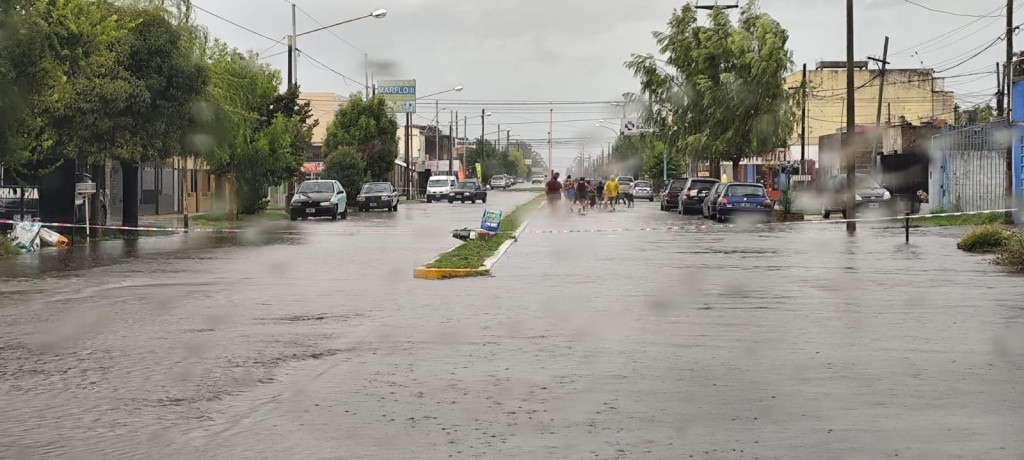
(222, 18)
(948, 12)
(945, 34)
(329, 69)
(310, 16)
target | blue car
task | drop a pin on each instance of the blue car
(741, 199)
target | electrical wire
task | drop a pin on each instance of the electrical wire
(948, 12)
(222, 18)
(310, 16)
(935, 40)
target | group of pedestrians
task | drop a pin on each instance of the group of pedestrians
(581, 195)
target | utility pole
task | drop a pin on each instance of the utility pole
(498, 149)
(551, 125)
(293, 52)
(881, 88)
(1008, 70)
(851, 125)
(455, 141)
(1000, 83)
(803, 122)
(408, 158)
(451, 152)
(437, 130)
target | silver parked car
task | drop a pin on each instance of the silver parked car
(643, 190)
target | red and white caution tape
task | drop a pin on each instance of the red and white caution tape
(140, 229)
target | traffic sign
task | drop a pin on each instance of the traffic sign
(400, 95)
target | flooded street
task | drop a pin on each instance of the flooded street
(312, 340)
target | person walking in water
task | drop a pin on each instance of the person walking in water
(569, 188)
(553, 191)
(611, 191)
(582, 194)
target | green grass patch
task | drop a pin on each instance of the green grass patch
(985, 239)
(472, 254)
(7, 247)
(989, 218)
(1011, 254)
(523, 189)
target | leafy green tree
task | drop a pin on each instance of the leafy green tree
(160, 79)
(366, 126)
(720, 94)
(265, 159)
(345, 165)
(26, 71)
(485, 153)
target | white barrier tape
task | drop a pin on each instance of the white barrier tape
(121, 227)
(702, 227)
(899, 218)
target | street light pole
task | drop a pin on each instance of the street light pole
(851, 126)
(293, 58)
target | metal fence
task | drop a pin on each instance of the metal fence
(972, 162)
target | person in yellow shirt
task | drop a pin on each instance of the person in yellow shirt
(611, 191)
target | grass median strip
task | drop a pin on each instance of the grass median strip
(969, 219)
(472, 254)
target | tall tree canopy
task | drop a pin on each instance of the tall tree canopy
(366, 126)
(719, 95)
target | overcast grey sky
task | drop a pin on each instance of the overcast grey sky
(573, 50)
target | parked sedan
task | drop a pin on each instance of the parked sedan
(469, 190)
(709, 206)
(743, 199)
(670, 197)
(319, 198)
(868, 195)
(693, 194)
(642, 190)
(378, 195)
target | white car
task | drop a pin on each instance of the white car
(499, 182)
(438, 187)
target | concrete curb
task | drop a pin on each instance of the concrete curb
(425, 273)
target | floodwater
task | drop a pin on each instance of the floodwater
(311, 340)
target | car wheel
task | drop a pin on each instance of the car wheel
(825, 213)
(484, 200)
(334, 215)
(720, 219)
(463, 201)
(451, 201)
(344, 213)
(292, 216)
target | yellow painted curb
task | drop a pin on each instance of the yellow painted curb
(425, 273)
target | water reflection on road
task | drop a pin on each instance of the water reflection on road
(311, 340)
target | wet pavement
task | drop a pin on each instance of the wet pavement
(711, 341)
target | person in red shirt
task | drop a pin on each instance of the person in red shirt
(553, 190)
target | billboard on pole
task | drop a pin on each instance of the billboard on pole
(400, 95)
(633, 126)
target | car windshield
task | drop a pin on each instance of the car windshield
(467, 185)
(676, 185)
(316, 187)
(376, 188)
(745, 190)
(437, 183)
(703, 184)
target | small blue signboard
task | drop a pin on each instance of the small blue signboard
(491, 221)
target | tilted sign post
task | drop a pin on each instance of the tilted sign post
(400, 96)
(86, 189)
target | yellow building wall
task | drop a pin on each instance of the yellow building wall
(911, 93)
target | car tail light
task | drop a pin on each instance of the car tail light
(722, 200)
(766, 203)
(687, 192)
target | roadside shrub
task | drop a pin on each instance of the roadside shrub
(346, 166)
(983, 239)
(1011, 254)
(7, 247)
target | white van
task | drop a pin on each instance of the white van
(438, 187)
